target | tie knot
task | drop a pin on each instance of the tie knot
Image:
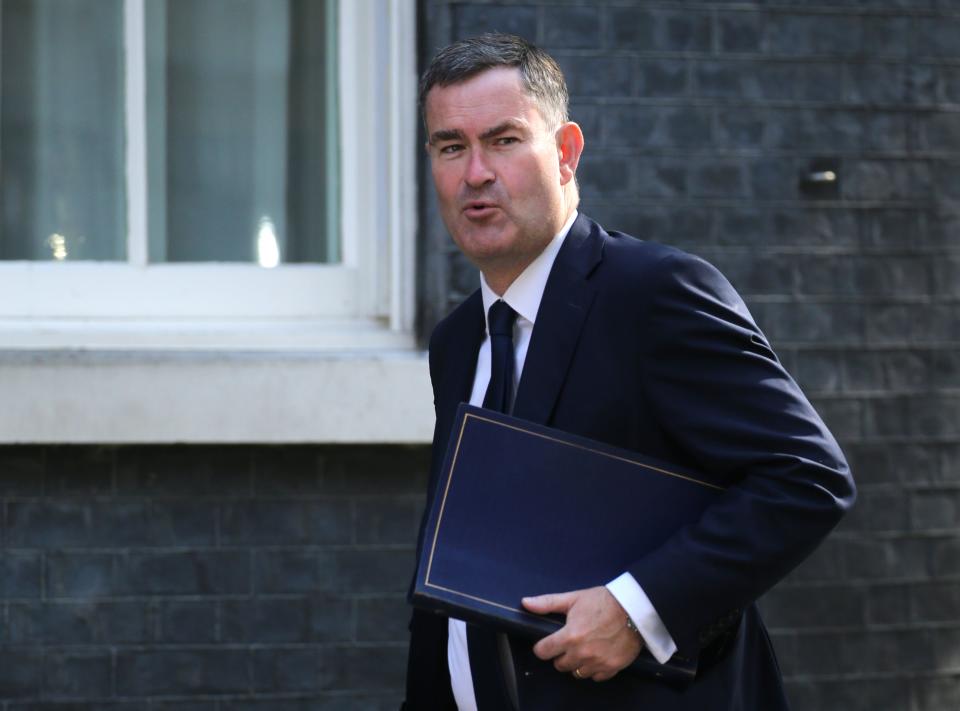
(500, 319)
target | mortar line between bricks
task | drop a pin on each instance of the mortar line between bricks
(890, 581)
(876, 300)
(738, 202)
(714, 154)
(190, 597)
(697, 97)
(853, 676)
(853, 397)
(879, 583)
(896, 535)
(879, 394)
(791, 9)
(717, 150)
(757, 56)
(146, 549)
(234, 697)
(810, 631)
(151, 647)
(899, 440)
(867, 253)
(909, 486)
(860, 584)
(255, 696)
(783, 345)
(935, 533)
(723, 148)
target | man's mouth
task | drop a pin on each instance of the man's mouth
(479, 209)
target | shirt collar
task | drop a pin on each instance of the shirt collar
(526, 291)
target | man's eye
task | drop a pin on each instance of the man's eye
(451, 148)
(507, 140)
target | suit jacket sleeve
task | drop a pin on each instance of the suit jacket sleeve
(721, 396)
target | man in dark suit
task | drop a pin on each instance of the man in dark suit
(632, 343)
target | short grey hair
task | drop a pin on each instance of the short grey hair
(541, 75)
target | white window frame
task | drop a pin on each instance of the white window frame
(239, 353)
(366, 301)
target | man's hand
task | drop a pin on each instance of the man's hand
(595, 642)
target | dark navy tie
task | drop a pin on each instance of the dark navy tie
(500, 322)
(489, 683)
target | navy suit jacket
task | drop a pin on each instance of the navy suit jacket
(649, 348)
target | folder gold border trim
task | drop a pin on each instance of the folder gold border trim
(446, 490)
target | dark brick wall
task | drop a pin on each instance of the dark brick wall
(206, 578)
(700, 118)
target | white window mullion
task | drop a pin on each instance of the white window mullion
(134, 34)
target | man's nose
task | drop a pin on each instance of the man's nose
(479, 172)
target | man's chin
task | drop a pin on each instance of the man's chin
(486, 240)
(486, 248)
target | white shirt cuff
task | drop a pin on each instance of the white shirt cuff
(637, 605)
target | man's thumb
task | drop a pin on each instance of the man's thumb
(542, 604)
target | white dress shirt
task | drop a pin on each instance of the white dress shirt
(524, 296)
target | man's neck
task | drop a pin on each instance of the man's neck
(499, 281)
(499, 277)
(533, 275)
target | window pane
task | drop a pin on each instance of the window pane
(242, 131)
(61, 130)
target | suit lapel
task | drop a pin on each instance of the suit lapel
(460, 357)
(567, 299)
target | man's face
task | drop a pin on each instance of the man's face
(496, 168)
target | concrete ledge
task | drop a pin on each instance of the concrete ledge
(123, 397)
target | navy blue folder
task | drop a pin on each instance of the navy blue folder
(522, 509)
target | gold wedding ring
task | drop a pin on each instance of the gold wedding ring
(578, 674)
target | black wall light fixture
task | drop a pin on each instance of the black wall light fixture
(821, 180)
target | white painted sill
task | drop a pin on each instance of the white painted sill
(191, 396)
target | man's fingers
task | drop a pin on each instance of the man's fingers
(550, 647)
(594, 642)
(584, 669)
(554, 602)
(565, 663)
(556, 644)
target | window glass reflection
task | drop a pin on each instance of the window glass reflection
(241, 131)
(61, 130)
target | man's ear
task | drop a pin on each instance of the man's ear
(569, 148)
